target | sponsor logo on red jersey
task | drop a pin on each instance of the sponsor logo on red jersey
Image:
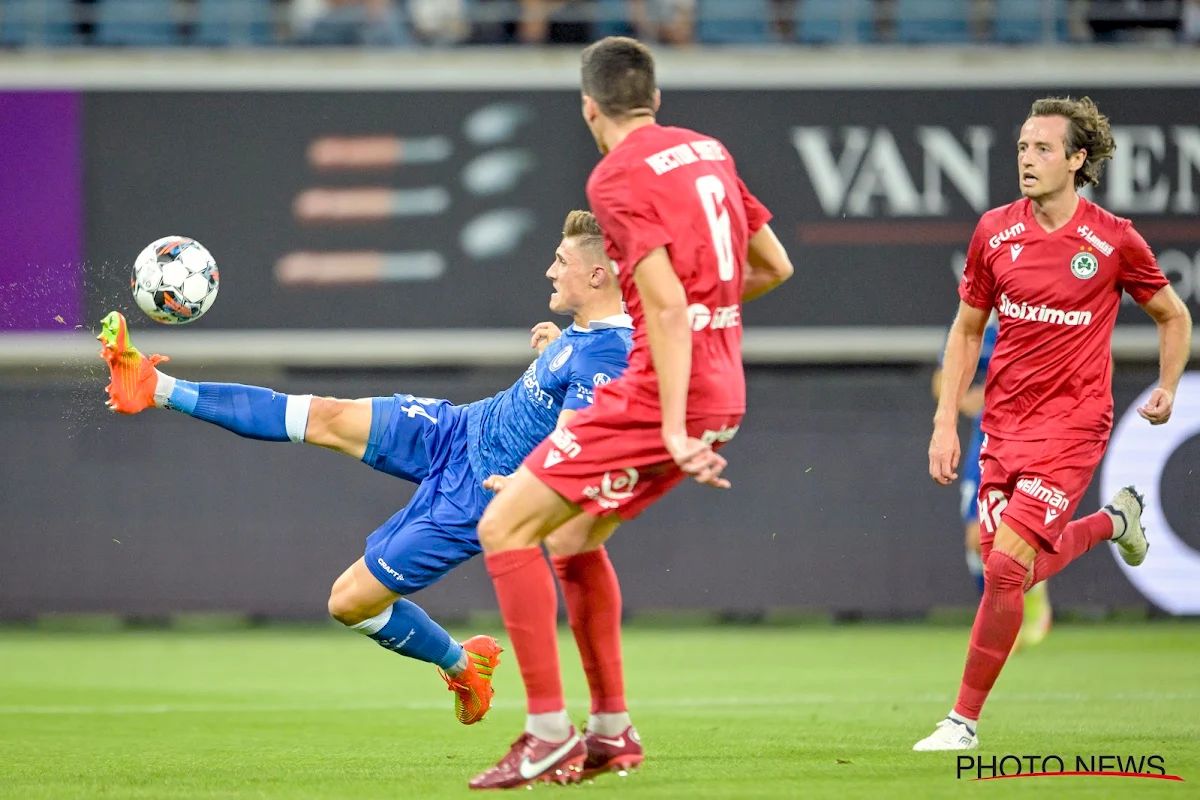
(1006, 234)
(1042, 313)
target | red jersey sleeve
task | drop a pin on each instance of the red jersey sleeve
(1140, 274)
(630, 222)
(757, 214)
(978, 286)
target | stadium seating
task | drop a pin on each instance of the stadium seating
(238, 23)
(37, 23)
(835, 21)
(733, 22)
(1022, 21)
(612, 19)
(932, 21)
(137, 23)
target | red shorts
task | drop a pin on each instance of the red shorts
(1035, 487)
(610, 458)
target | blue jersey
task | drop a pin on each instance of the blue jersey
(503, 429)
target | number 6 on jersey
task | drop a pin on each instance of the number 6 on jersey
(712, 197)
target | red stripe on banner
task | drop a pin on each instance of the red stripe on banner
(1083, 774)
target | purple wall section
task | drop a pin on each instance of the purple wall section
(41, 210)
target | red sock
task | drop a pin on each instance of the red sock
(593, 596)
(529, 606)
(996, 626)
(1079, 537)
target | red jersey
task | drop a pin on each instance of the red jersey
(678, 189)
(1057, 295)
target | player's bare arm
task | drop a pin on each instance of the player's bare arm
(972, 402)
(958, 368)
(670, 337)
(767, 264)
(1174, 345)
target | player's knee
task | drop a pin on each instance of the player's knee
(345, 610)
(490, 531)
(343, 425)
(324, 414)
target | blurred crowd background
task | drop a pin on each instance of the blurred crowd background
(423, 23)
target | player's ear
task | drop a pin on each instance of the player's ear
(1078, 159)
(598, 276)
(657, 100)
(590, 110)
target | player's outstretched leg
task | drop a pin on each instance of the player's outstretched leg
(253, 412)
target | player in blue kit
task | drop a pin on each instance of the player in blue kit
(1038, 613)
(448, 450)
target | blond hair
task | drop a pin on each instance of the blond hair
(583, 227)
(1087, 129)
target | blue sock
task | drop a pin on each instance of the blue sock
(249, 411)
(975, 567)
(405, 628)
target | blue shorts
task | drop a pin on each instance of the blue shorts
(423, 441)
(969, 481)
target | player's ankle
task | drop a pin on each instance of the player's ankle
(609, 724)
(162, 388)
(1118, 522)
(554, 726)
(973, 724)
(459, 666)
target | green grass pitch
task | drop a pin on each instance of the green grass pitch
(725, 712)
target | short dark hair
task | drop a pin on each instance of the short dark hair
(585, 230)
(618, 73)
(1087, 129)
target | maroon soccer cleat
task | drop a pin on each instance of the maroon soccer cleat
(619, 754)
(533, 760)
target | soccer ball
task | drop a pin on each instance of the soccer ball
(175, 280)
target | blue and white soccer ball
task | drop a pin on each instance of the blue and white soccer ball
(175, 280)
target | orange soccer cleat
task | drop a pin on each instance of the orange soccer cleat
(473, 686)
(133, 376)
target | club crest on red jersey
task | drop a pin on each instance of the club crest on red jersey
(1084, 265)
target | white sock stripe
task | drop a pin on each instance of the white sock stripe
(372, 626)
(296, 417)
(162, 390)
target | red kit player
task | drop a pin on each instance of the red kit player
(689, 243)
(1054, 266)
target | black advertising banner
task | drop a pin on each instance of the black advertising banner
(443, 208)
(831, 507)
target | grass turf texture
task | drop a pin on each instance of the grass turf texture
(724, 712)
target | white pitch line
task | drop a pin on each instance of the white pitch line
(684, 704)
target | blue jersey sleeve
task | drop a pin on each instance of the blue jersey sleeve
(595, 366)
